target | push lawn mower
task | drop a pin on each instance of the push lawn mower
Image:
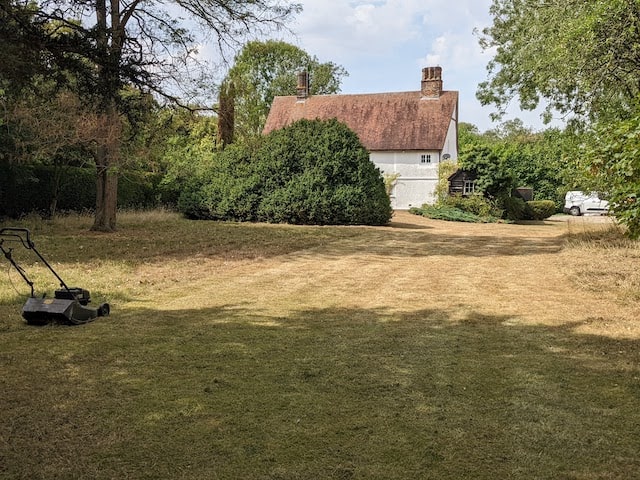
(69, 304)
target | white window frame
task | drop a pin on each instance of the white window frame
(469, 187)
(425, 158)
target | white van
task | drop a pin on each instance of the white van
(579, 203)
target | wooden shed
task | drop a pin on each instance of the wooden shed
(462, 182)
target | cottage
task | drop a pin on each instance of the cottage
(407, 134)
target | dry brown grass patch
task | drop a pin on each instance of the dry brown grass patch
(605, 261)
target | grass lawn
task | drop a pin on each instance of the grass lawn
(421, 350)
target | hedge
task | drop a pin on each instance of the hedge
(30, 188)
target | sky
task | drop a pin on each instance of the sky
(384, 44)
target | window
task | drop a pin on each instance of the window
(469, 187)
(425, 158)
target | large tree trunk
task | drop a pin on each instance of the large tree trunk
(108, 148)
(107, 159)
(106, 193)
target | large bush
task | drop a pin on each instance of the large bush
(312, 172)
(514, 208)
(475, 204)
(443, 211)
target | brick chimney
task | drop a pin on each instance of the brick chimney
(431, 82)
(303, 86)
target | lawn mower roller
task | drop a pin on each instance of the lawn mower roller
(69, 304)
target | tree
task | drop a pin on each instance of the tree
(18, 59)
(494, 179)
(263, 70)
(52, 127)
(188, 147)
(615, 156)
(143, 44)
(468, 134)
(546, 161)
(226, 112)
(581, 56)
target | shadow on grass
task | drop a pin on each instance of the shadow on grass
(407, 225)
(328, 393)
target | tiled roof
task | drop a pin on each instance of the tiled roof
(383, 121)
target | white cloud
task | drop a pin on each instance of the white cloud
(438, 50)
(412, 31)
(384, 44)
(341, 30)
(458, 52)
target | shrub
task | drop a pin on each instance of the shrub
(312, 172)
(514, 208)
(319, 173)
(450, 213)
(446, 168)
(390, 181)
(540, 209)
(192, 200)
(494, 179)
(222, 188)
(517, 209)
(28, 189)
(476, 204)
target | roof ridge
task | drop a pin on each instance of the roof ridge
(325, 95)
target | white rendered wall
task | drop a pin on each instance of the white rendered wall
(451, 141)
(416, 182)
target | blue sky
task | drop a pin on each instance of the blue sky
(384, 44)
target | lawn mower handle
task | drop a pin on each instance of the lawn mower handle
(7, 252)
(16, 232)
(24, 236)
